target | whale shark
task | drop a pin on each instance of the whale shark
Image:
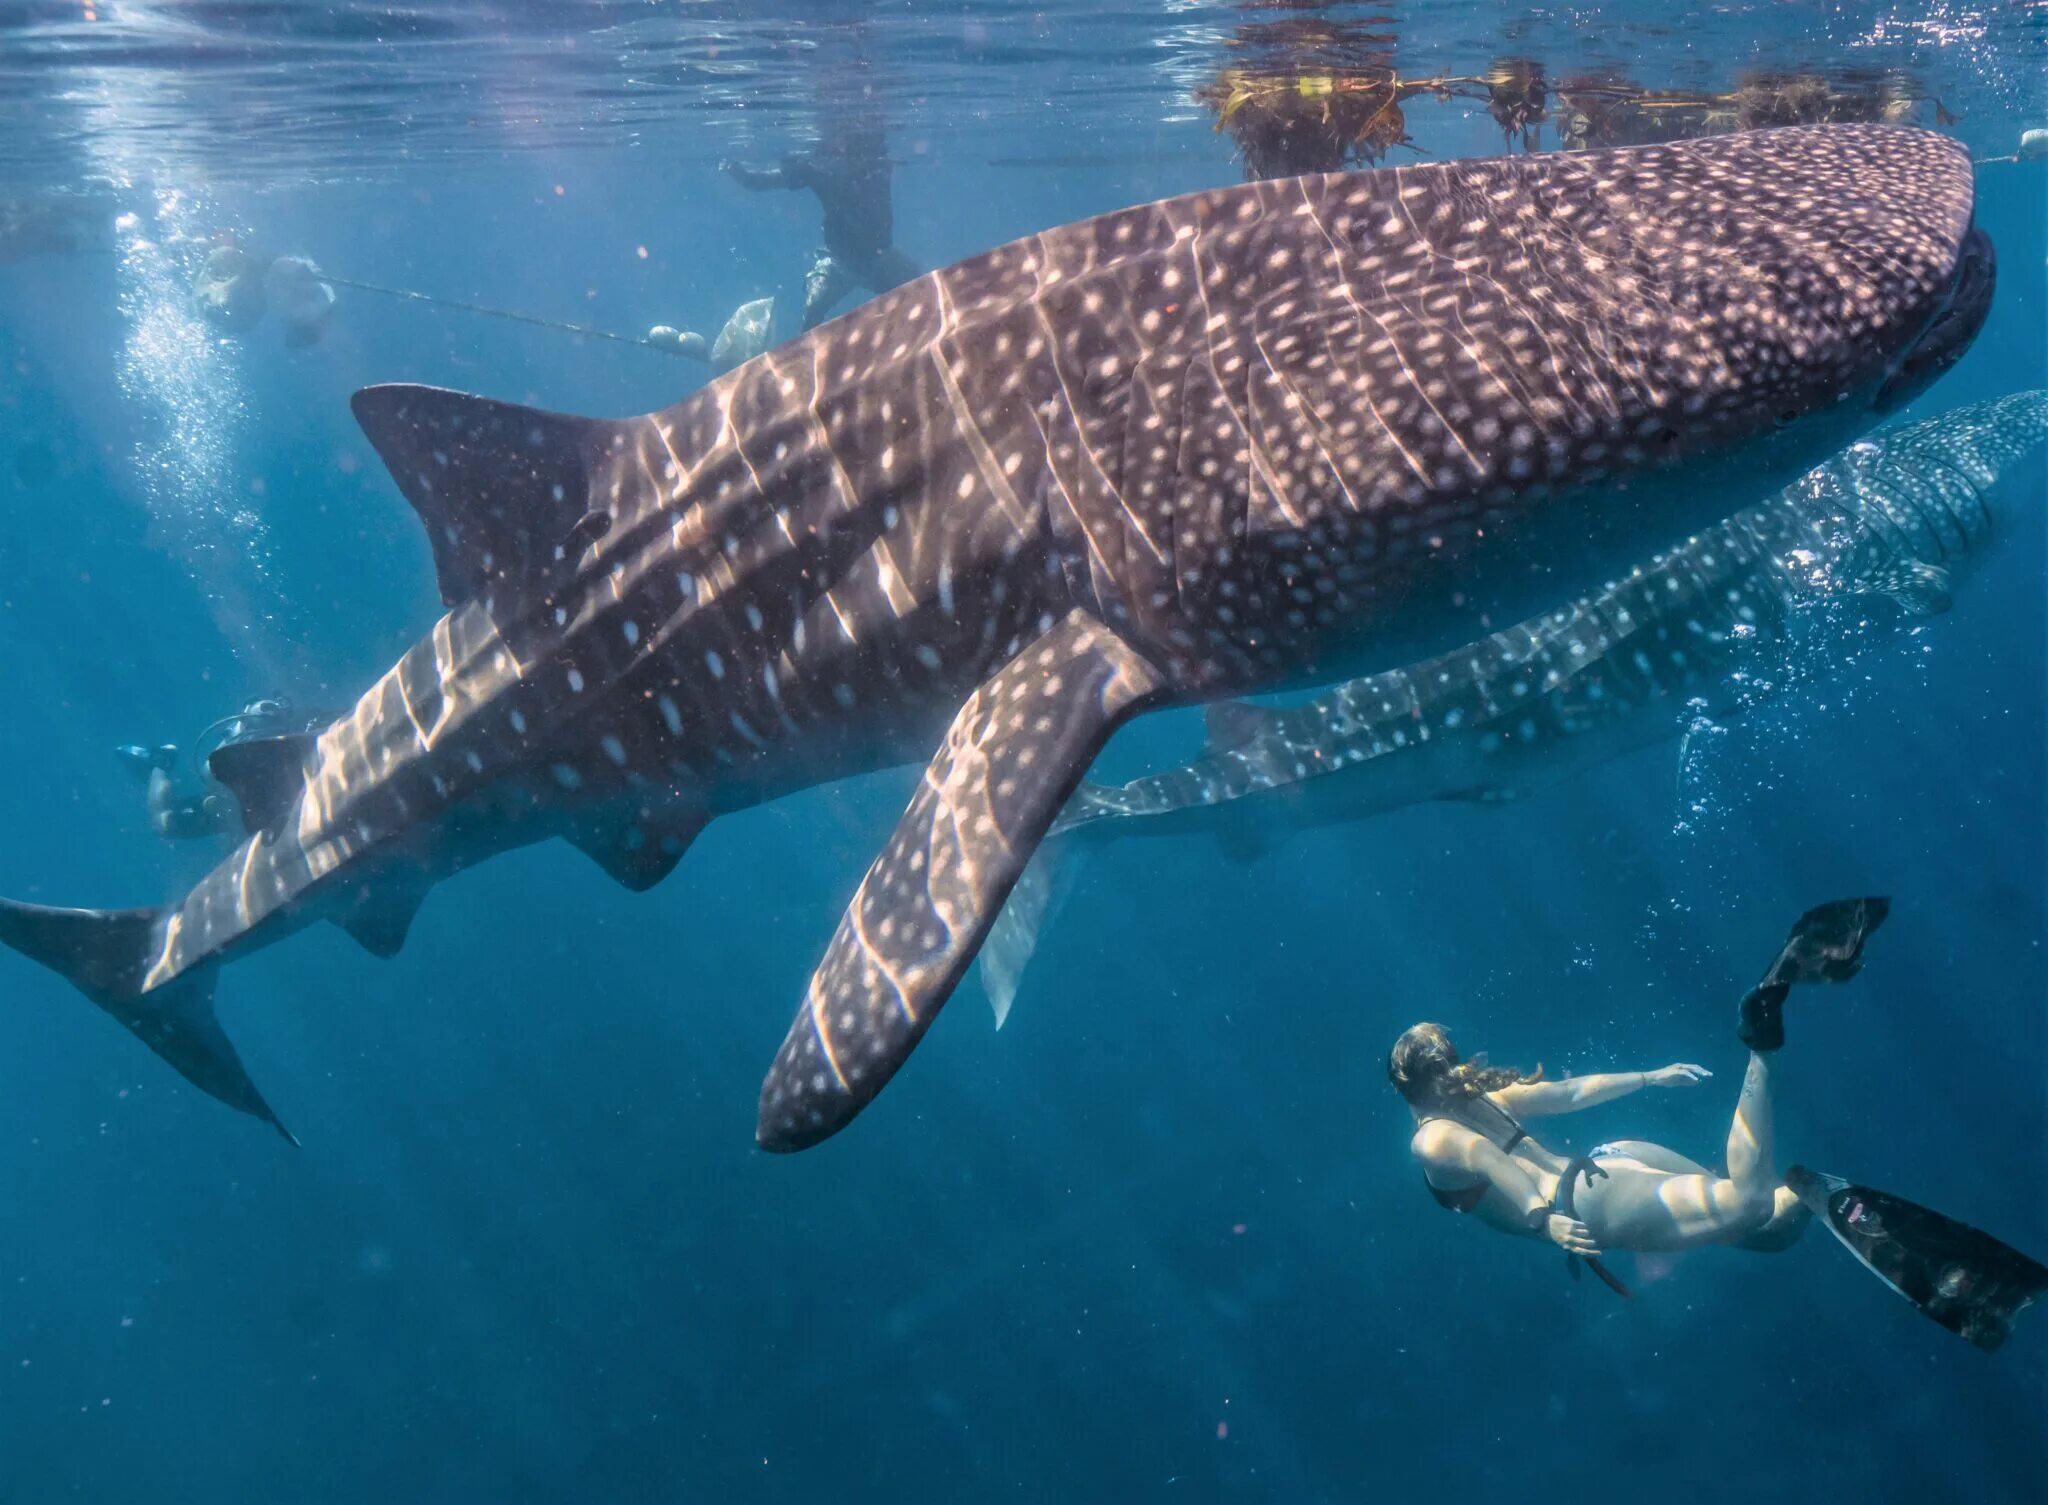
(1700, 631)
(1273, 434)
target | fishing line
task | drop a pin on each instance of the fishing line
(409, 296)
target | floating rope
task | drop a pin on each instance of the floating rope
(564, 327)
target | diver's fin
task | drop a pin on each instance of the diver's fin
(104, 954)
(1233, 725)
(1013, 754)
(381, 915)
(503, 490)
(1965, 1279)
(264, 774)
(1826, 945)
(638, 852)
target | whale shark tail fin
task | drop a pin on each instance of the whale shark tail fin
(103, 953)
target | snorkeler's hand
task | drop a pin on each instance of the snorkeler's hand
(1683, 1075)
(1570, 1235)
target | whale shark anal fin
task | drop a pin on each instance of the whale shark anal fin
(1013, 754)
(381, 914)
(503, 490)
(638, 850)
(264, 774)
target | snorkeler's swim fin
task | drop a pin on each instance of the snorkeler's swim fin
(1825, 946)
(1965, 1279)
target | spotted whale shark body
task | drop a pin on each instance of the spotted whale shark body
(1700, 630)
(1273, 434)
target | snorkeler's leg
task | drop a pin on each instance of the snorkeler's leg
(824, 285)
(161, 802)
(1752, 1183)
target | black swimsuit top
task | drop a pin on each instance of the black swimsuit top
(1468, 1198)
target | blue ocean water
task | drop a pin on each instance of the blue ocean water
(1159, 1238)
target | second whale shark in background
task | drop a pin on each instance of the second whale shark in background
(1696, 631)
(1274, 434)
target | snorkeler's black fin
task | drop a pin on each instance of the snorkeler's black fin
(264, 774)
(104, 953)
(1962, 1278)
(1826, 945)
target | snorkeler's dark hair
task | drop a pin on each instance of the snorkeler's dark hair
(1425, 1069)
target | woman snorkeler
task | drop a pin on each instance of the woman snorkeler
(1477, 1158)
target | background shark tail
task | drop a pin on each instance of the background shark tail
(103, 953)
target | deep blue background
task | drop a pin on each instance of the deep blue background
(528, 1251)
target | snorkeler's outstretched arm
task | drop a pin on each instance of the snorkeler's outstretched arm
(1540, 1099)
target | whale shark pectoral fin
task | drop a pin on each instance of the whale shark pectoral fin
(264, 774)
(640, 849)
(1919, 589)
(104, 954)
(1013, 754)
(502, 489)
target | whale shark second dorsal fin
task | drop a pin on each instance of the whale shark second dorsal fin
(501, 488)
(264, 774)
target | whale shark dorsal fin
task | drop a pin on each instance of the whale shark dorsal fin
(1233, 725)
(500, 487)
(1015, 751)
(264, 774)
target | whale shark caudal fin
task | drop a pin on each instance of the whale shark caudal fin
(264, 774)
(504, 490)
(103, 953)
(1013, 754)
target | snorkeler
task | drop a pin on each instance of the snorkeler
(234, 289)
(850, 176)
(181, 808)
(1477, 1158)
